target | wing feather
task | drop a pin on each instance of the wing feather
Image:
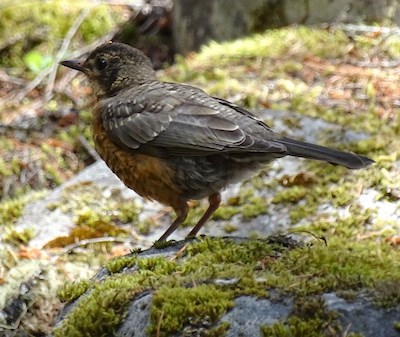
(175, 126)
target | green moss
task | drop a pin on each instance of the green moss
(14, 236)
(32, 21)
(185, 306)
(219, 331)
(295, 326)
(163, 244)
(210, 258)
(290, 195)
(119, 263)
(229, 228)
(100, 312)
(346, 227)
(144, 227)
(388, 294)
(185, 287)
(300, 212)
(158, 265)
(88, 203)
(276, 43)
(255, 207)
(343, 194)
(342, 265)
(70, 291)
(226, 212)
(397, 325)
(11, 209)
(214, 250)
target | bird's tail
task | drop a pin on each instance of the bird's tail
(306, 150)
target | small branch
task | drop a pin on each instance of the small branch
(365, 29)
(52, 71)
(4, 77)
(66, 42)
(32, 85)
(158, 331)
(88, 48)
(89, 149)
(179, 253)
(73, 246)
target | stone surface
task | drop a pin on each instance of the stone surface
(137, 318)
(362, 316)
(249, 313)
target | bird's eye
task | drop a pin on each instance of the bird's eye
(101, 64)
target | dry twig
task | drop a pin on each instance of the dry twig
(52, 71)
(67, 40)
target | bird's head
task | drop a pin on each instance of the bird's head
(113, 67)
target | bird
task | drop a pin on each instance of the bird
(173, 142)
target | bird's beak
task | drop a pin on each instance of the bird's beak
(75, 64)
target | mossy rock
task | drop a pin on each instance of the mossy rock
(239, 287)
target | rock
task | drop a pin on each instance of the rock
(249, 313)
(175, 296)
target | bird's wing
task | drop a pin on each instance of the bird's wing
(164, 122)
(134, 122)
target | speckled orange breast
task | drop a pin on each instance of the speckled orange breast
(149, 176)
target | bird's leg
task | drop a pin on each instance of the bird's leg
(181, 213)
(214, 200)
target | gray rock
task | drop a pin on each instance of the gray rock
(250, 313)
(137, 318)
(362, 316)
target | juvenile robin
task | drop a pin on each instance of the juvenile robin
(172, 142)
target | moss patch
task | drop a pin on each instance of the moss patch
(186, 291)
(117, 264)
(175, 308)
(11, 209)
(31, 22)
(202, 262)
(99, 313)
(70, 291)
(341, 265)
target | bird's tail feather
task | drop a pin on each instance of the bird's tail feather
(306, 150)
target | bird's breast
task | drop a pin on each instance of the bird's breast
(149, 176)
